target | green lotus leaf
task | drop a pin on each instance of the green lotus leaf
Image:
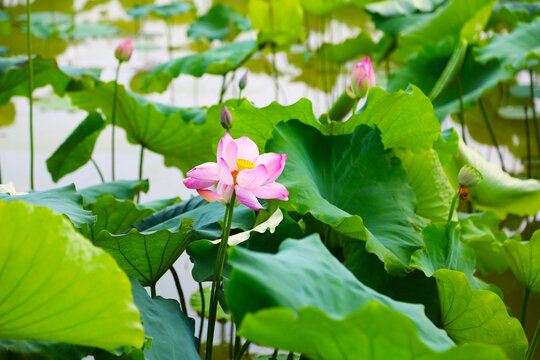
(279, 22)
(7, 114)
(77, 149)
(349, 183)
(220, 21)
(64, 200)
(171, 331)
(196, 304)
(452, 21)
(523, 260)
(160, 204)
(347, 50)
(481, 233)
(477, 316)
(392, 8)
(5, 27)
(120, 189)
(305, 274)
(170, 131)
(373, 332)
(41, 350)
(217, 61)
(56, 286)
(322, 7)
(512, 12)
(91, 30)
(146, 255)
(14, 77)
(513, 50)
(161, 11)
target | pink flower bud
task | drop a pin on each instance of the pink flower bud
(243, 81)
(362, 78)
(124, 50)
(226, 119)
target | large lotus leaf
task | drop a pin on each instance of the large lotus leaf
(217, 61)
(428, 180)
(146, 255)
(392, 8)
(91, 30)
(196, 304)
(513, 12)
(405, 119)
(64, 200)
(372, 332)
(477, 316)
(220, 21)
(279, 22)
(498, 191)
(171, 331)
(513, 50)
(349, 183)
(160, 204)
(41, 350)
(159, 128)
(481, 232)
(523, 260)
(56, 286)
(208, 218)
(77, 149)
(347, 50)
(304, 273)
(161, 11)
(115, 216)
(322, 7)
(120, 189)
(14, 77)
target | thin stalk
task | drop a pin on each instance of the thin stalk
(242, 350)
(240, 95)
(113, 118)
(491, 133)
(179, 289)
(237, 342)
(223, 89)
(534, 342)
(169, 51)
(231, 341)
(290, 356)
(535, 120)
(153, 290)
(528, 140)
(274, 354)
(30, 90)
(218, 271)
(453, 207)
(275, 73)
(201, 291)
(524, 308)
(461, 110)
(98, 170)
(141, 158)
(355, 106)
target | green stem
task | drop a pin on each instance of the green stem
(274, 354)
(98, 170)
(534, 342)
(240, 95)
(218, 271)
(528, 141)
(242, 350)
(237, 342)
(355, 105)
(153, 290)
(341, 107)
(491, 133)
(201, 292)
(30, 90)
(290, 356)
(275, 72)
(231, 340)
(535, 120)
(113, 118)
(141, 157)
(461, 110)
(223, 89)
(524, 308)
(179, 289)
(453, 207)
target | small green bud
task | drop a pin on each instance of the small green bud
(469, 176)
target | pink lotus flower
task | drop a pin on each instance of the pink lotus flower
(124, 50)
(239, 168)
(362, 78)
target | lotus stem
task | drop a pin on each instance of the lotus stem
(231, 340)
(453, 207)
(30, 89)
(201, 292)
(275, 72)
(290, 356)
(528, 141)
(491, 133)
(98, 170)
(341, 107)
(242, 350)
(533, 108)
(179, 289)
(461, 113)
(534, 342)
(524, 308)
(141, 158)
(275, 354)
(113, 118)
(223, 88)
(153, 290)
(218, 271)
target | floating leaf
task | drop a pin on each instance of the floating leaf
(523, 260)
(477, 316)
(220, 21)
(217, 61)
(170, 330)
(161, 11)
(120, 189)
(56, 286)
(366, 197)
(77, 149)
(347, 50)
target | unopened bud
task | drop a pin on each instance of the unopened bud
(226, 119)
(124, 50)
(469, 176)
(243, 81)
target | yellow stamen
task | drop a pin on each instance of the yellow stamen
(244, 164)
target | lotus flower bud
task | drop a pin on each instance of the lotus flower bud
(124, 50)
(469, 176)
(226, 119)
(362, 78)
(243, 81)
